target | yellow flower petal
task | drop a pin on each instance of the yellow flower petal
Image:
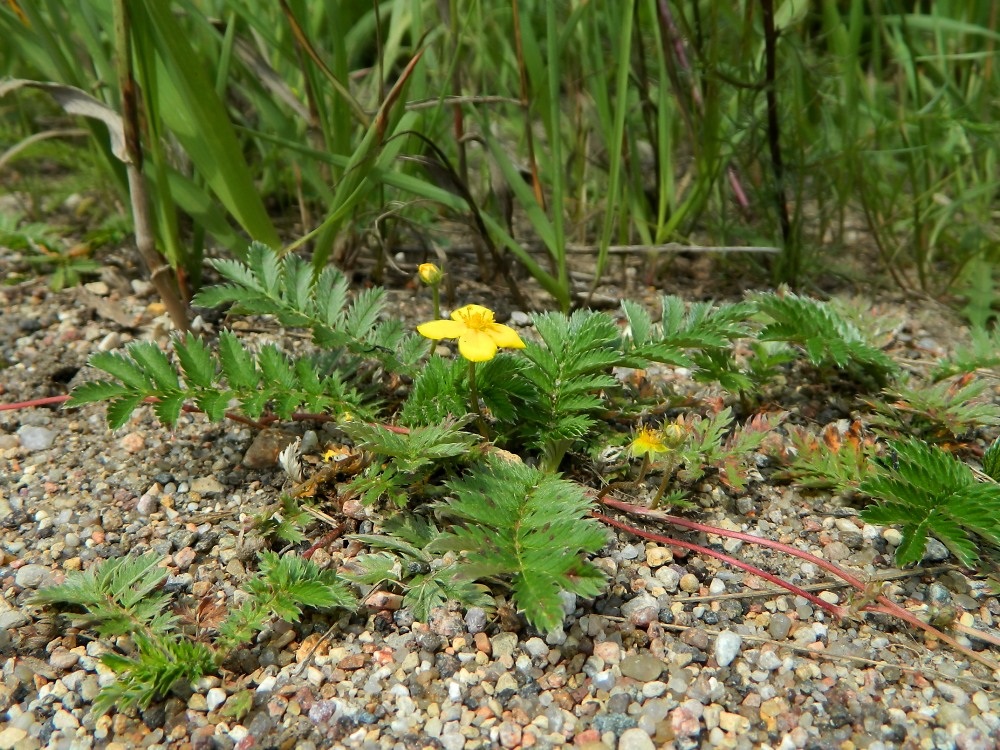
(505, 337)
(442, 329)
(476, 346)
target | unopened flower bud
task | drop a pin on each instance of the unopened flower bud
(429, 274)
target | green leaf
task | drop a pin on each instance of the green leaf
(155, 365)
(196, 361)
(98, 390)
(121, 409)
(514, 521)
(122, 368)
(237, 363)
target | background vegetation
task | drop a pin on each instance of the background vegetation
(826, 129)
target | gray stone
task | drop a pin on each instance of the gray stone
(727, 647)
(475, 620)
(536, 648)
(641, 667)
(779, 626)
(503, 644)
(32, 576)
(12, 618)
(641, 610)
(935, 551)
(34, 438)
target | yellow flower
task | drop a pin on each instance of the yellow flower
(479, 336)
(429, 274)
(647, 442)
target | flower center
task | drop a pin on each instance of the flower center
(478, 320)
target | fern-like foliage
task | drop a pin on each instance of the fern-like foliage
(837, 461)
(930, 492)
(282, 587)
(513, 521)
(991, 461)
(160, 663)
(405, 458)
(713, 442)
(701, 327)
(403, 562)
(212, 381)
(981, 353)
(120, 596)
(567, 372)
(944, 410)
(286, 288)
(828, 339)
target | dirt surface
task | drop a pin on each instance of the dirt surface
(680, 652)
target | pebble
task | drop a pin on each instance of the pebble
(133, 442)
(33, 576)
(779, 626)
(34, 438)
(669, 578)
(207, 486)
(641, 667)
(690, 583)
(503, 644)
(635, 739)
(727, 647)
(13, 618)
(641, 610)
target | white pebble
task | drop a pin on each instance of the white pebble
(727, 647)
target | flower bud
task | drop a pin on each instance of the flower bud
(429, 274)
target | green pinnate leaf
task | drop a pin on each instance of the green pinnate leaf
(237, 363)
(991, 461)
(96, 390)
(120, 409)
(122, 368)
(196, 360)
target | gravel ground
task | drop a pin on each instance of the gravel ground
(681, 652)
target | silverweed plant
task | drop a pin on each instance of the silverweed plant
(472, 465)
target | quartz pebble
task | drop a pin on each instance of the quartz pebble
(727, 647)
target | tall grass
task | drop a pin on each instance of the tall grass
(549, 123)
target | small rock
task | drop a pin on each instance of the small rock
(475, 620)
(509, 734)
(133, 443)
(779, 626)
(641, 667)
(536, 648)
(11, 736)
(13, 618)
(635, 739)
(32, 576)
(506, 686)
(215, 698)
(503, 644)
(34, 438)
(669, 578)
(609, 651)
(689, 583)
(935, 551)
(147, 504)
(717, 587)
(657, 556)
(893, 536)
(263, 451)
(207, 486)
(641, 610)
(727, 647)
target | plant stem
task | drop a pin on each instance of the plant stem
(436, 298)
(474, 398)
(668, 472)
